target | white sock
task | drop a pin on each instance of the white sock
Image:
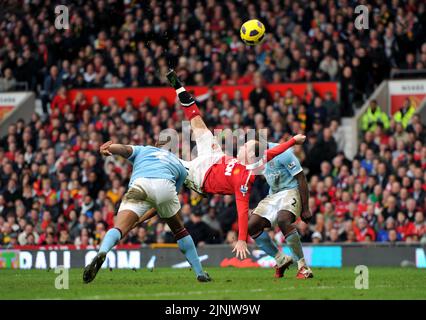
(301, 263)
(279, 257)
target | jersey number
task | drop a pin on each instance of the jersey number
(294, 202)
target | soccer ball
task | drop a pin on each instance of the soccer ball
(252, 32)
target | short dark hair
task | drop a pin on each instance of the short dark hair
(161, 142)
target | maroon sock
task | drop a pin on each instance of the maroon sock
(181, 234)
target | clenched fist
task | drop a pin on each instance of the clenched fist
(104, 149)
(300, 138)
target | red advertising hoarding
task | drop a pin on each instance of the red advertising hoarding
(155, 94)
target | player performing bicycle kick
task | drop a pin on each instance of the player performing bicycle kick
(214, 172)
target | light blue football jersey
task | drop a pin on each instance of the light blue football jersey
(280, 172)
(155, 163)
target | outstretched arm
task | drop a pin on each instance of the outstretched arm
(275, 151)
(240, 248)
(109, 149)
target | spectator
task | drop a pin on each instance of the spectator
(420, 225)
(338, 135)
(84, 238)
(141, 237)
(374, 116)
(317, 112)
(383, 234)
(64, 237)
(211, 220)
(331, 106)
(51, 85)
(334, 235)
(393, 236)
(23, 236)
(5, 235)
(329, 66)
(11, 193)
(404, 115)
(7, 82)
(316, 237)
(347, 92)
(323, 150)
(259, 93)
(419, 192)
(30, 240)
(404, 226)
(200, 231)
(362, 229)
(391, 207)
(60, 100)
(226, 213)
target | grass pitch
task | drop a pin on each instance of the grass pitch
(228, 283)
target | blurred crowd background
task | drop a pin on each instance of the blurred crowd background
(55, 188)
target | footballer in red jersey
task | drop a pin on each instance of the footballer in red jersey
(216, 173)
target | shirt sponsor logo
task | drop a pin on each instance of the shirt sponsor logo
(230, 166)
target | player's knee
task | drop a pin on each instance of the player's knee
(256, 226)
(253, 230)
(125, 220)
(284, 220)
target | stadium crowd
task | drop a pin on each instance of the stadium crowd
(117, 44)
(55, 188)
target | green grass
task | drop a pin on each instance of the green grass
(228, 283)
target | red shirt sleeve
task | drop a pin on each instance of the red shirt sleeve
(277, 150)
(242, 201)
(242, 209)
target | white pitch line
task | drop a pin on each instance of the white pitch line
(207, 292)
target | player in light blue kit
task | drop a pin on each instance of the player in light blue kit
(287, 200)
(156, 178)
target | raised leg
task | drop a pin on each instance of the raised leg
(191, 110)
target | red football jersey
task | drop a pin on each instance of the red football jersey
(228, 176)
